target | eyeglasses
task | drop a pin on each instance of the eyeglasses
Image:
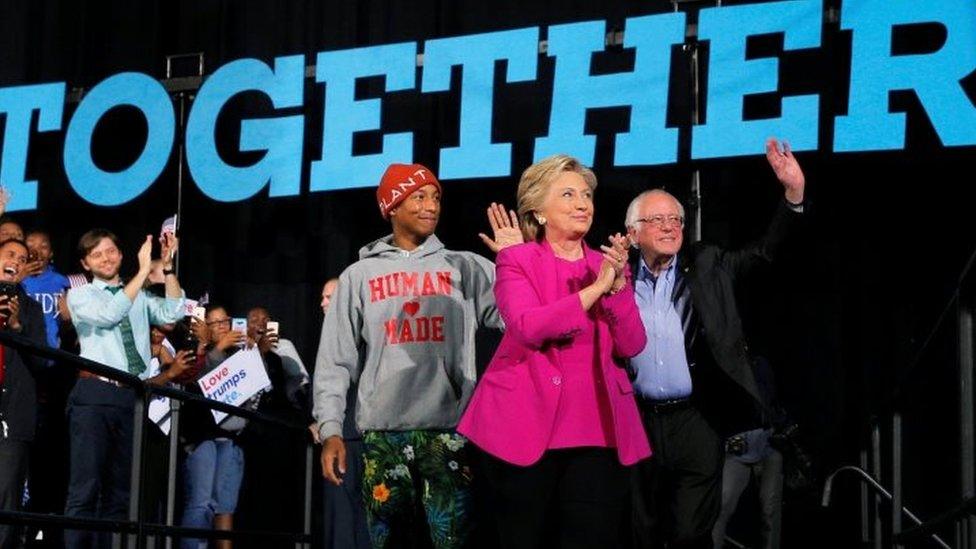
(219, 321)
(660, 221)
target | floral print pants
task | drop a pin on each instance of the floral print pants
(403, 468)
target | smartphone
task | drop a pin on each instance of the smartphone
(200, 312)
(8, 289)
(272, 326)
(239, 325)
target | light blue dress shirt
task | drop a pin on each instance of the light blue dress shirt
(662, 367)
(96, 313)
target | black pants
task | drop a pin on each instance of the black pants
(48, 451)
(572, 498)
(13, 471)
(274, 472)
(678, 492)
(100, 417)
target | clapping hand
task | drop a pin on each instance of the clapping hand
(614, 262)
(145, 256)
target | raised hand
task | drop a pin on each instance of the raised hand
(4, 199)
(168, 245)
(504, 227)
(10, 308)
(145, 256)
(267, 342)
(182, 366)
(199, 328)
(230, 339)
(786, 168)
(32, 268)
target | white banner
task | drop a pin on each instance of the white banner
(236, 380)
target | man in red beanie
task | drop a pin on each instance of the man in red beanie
(401, 325)
(410, 197)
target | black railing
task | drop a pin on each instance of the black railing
(961, 307)
(964, 510)
(137, 529)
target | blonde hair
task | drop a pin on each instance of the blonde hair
(533, 188)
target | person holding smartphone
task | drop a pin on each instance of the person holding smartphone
(18, 395)
(43, 283)
(214, 464)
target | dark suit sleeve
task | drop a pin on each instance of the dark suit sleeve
(767, 248)
(33, 329)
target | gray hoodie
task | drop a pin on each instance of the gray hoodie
(402, 325)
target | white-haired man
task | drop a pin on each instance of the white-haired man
(694, 379)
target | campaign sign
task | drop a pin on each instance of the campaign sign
(236, 380)
(159, 406)
(159, 412)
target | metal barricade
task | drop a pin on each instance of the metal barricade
(137, 530)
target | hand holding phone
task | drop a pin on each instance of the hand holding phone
(239, 325)
(269, 339)
(169, 226)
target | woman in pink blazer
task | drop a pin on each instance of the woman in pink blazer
(554, 413)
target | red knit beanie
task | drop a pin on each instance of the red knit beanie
(399, 181)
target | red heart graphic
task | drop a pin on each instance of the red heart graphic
(411, 307)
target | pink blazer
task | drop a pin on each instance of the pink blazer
(513, 409)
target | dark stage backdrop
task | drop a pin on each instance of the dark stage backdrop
(840, 317)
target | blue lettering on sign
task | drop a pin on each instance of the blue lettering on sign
(18, 104)
(644, 90)
(105, 188)
(344, 115)
(877, 69)
(476, 155)
(731, 77)
(934, 77)
(281, 138)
